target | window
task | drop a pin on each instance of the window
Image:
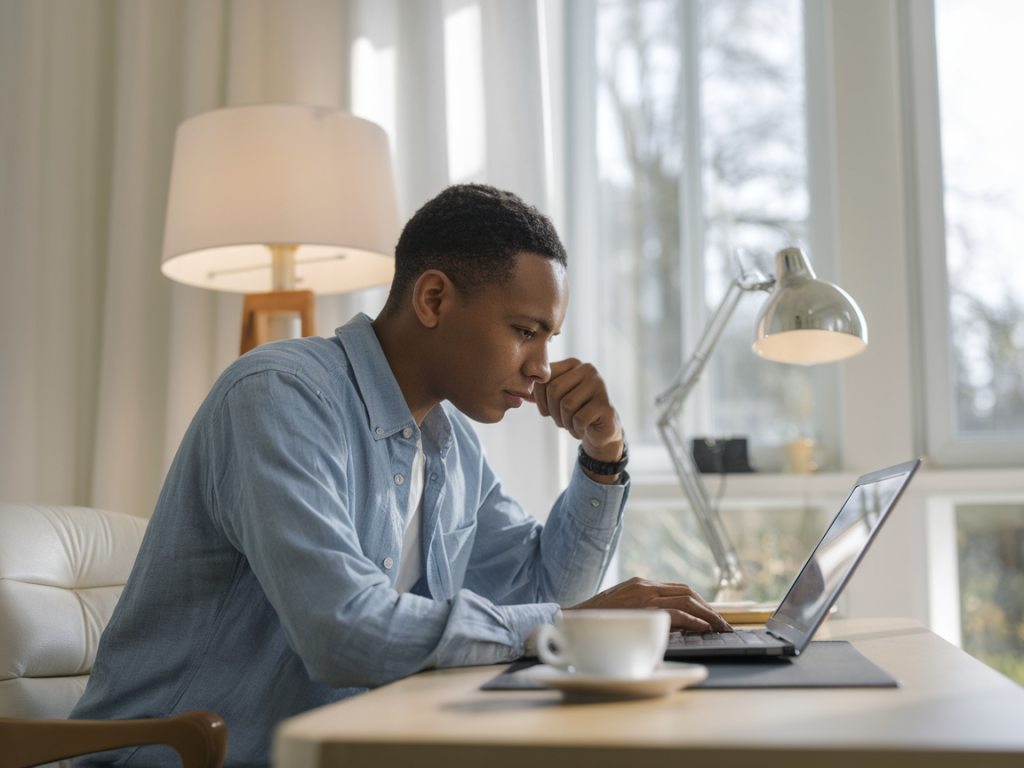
(968, 197)
(978, 551)
(991, 556)
(698, 144)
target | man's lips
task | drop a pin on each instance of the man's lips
(522, 395)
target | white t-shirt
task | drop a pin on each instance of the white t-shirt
(410, 566)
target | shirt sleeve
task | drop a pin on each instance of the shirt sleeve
(276, 471)
(516, 559)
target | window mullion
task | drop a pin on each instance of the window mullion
(694, 315)
(823, 230)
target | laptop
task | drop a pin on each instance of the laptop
(819, 583)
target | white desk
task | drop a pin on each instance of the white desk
(951, 711)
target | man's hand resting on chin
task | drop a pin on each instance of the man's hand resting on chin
(687, 609)
(576, 398)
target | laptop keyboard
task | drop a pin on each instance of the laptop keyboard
(738, 639)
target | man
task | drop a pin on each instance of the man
(330, 522)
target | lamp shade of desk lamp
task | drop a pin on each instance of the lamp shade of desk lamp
(806, 320)
(284, 198)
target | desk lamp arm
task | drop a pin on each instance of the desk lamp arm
(730, 576)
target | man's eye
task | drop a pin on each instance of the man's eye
(527, 332)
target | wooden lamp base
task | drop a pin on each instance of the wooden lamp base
(259, 307)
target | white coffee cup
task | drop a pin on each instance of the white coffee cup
(628, 644)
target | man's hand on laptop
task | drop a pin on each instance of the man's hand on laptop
(687, 609)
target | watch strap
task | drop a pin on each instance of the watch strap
(604, 467)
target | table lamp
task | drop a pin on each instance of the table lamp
(280, 202)
(804, 321)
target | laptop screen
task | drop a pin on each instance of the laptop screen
(829, 566)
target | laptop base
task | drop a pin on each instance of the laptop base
(741, 642)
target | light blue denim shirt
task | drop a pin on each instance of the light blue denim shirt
(265, 582)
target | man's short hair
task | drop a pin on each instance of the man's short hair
(472, 233)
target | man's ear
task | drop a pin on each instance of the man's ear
(432, 292)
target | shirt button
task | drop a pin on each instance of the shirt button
(407, 432)
(388, 562)
(399, 479)
(379, 431)
(433, 476)
(595, 503)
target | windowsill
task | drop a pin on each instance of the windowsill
(755, 485)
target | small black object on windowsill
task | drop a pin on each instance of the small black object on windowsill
(720, 456)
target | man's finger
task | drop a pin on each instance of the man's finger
(554, 411)
(540, 397)
(694, 607)
(563, 391)
(665, 587)
(540, 389)
(562, 366)
(588, 417)
(681, 620)
(573, 414)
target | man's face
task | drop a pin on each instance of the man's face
(495, 345)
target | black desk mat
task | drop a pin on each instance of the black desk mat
(823, 664)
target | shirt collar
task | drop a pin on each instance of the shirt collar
(386, 409)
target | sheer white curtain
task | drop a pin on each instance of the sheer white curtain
(103, 361)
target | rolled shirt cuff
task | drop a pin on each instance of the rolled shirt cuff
(597, 505)
(522, 620)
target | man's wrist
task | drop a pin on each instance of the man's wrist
(606, 463)
(609, 451)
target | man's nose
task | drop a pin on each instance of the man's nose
(537, 365)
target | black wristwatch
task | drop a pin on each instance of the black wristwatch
(604, 467)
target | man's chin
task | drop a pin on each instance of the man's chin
(487, 418)
(484, 415)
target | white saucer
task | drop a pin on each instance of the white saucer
(670, 677)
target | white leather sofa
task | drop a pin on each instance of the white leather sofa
(62, 570)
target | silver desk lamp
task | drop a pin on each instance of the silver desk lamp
(804, 321)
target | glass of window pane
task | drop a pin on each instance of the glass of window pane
(990, 543)
(982, 120)
(639, 143)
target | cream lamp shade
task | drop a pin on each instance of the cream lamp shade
(246, 178)
(806, 320)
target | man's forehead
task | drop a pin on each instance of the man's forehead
(538, 294)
